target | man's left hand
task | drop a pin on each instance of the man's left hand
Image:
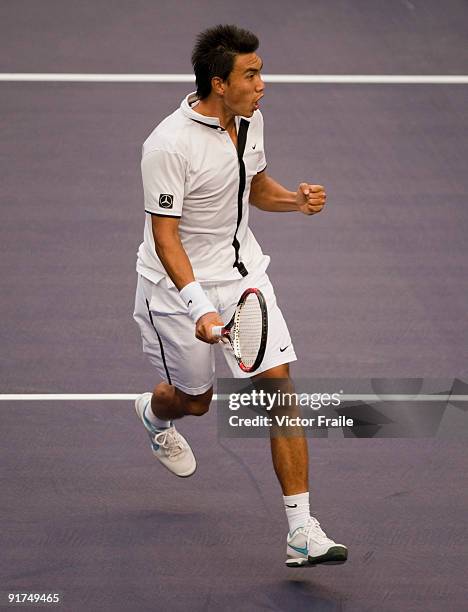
(310, 199)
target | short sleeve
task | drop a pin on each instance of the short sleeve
(163, 175)
(262, 162)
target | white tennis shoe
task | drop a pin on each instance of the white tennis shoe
(168, 445)
(309, 545)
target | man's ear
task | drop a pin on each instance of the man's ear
(218, 85)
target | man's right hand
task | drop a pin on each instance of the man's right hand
(204, 326)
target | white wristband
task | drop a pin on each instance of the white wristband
(196, 300)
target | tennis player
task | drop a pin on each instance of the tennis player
(202, 167)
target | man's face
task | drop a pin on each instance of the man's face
(244, 86)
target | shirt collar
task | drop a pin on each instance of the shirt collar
(213, 122)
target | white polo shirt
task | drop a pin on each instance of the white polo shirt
(192, 170)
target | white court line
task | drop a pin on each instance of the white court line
(66, 397)
(39, 397)
(372, 79)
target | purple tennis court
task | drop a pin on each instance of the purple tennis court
(375, 286)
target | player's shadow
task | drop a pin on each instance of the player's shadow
(305, 594)
(294, 594)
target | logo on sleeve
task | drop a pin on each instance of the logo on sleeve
(166, 200)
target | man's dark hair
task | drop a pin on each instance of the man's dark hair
(215, 51)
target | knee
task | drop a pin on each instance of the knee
(197, 405)
(164, 393)
(274, 380)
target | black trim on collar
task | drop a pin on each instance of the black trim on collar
(210, 125)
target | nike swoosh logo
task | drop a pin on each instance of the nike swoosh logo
(303, 551)
(283, 349)
(295, 506)
(254, 146)
(189, 302)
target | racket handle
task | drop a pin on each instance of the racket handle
(217, 331)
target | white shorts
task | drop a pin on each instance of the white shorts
(168, 333)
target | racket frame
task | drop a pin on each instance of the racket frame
(226, 330)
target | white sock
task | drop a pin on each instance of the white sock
(297, 510)
(156, 421)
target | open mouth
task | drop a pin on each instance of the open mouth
(256, 103)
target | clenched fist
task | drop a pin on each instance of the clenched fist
(310, 199)
(204, 326)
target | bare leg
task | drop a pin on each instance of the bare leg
(169, 403)
(289, 452)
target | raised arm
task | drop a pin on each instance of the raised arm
(267, 194)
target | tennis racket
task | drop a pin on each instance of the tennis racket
(247, 330)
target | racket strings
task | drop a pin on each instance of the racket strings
(248, 330)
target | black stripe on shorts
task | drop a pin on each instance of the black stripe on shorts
(168, 376)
